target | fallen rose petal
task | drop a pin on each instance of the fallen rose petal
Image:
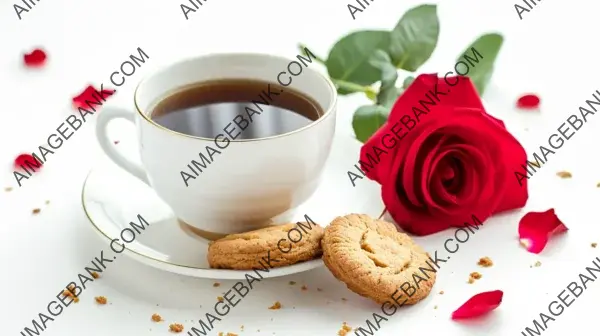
(23, 159)
(528, 101)
(91, 95)
(35, 58)
(535, 228)
(478, 305)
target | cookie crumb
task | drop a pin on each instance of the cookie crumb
(485, 262)
(537, 264)
(564, 174)
(434, 307)
(156, 318)
(242, 327)
(304, 288)
(275, 306)
(594, 245)
(36, 211)
(471, 280)
(69, 292)
(176, 327)
(475, 275)
(8, 189)
(100, 300)
(216, 284)
(220, 298)
(292, 283)
(95, 275)
(441, 292)
(344, 330)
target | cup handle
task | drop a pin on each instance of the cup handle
(107, 115)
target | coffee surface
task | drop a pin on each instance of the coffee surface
(204, 109)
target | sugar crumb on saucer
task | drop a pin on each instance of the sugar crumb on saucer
(594, 245)
(292, 283)
(441, 292)
(176, 327)
(344, 330)
(564, 174)
(95, 275)
(220, 298)
(36, 211)
(304, 288)
(156, 318)
(275, 306)
(216, 284)
(485, 262)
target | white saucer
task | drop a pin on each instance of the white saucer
(112, 199)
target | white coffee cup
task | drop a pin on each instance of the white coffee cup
(252, 183)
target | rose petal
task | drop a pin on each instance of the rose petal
(35, 58)
(23, 159)
(91, 95)
(478, 305)
(528, 102)
(536, 228)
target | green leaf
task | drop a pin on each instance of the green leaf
(480, 57)
(348, 60)
(345, 88)
(367, 120)
(414, 38)
(407, 81)
(382, 61)
(388, 96)
(388, 93)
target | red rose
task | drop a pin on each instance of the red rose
(440, 158)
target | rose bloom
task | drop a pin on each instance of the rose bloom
(441, 159)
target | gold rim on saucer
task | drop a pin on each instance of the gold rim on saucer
(141, 254)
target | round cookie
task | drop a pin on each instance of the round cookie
(273, 246)
(374, 260)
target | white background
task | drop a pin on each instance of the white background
(552, 51)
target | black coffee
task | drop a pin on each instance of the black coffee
(205, 109)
